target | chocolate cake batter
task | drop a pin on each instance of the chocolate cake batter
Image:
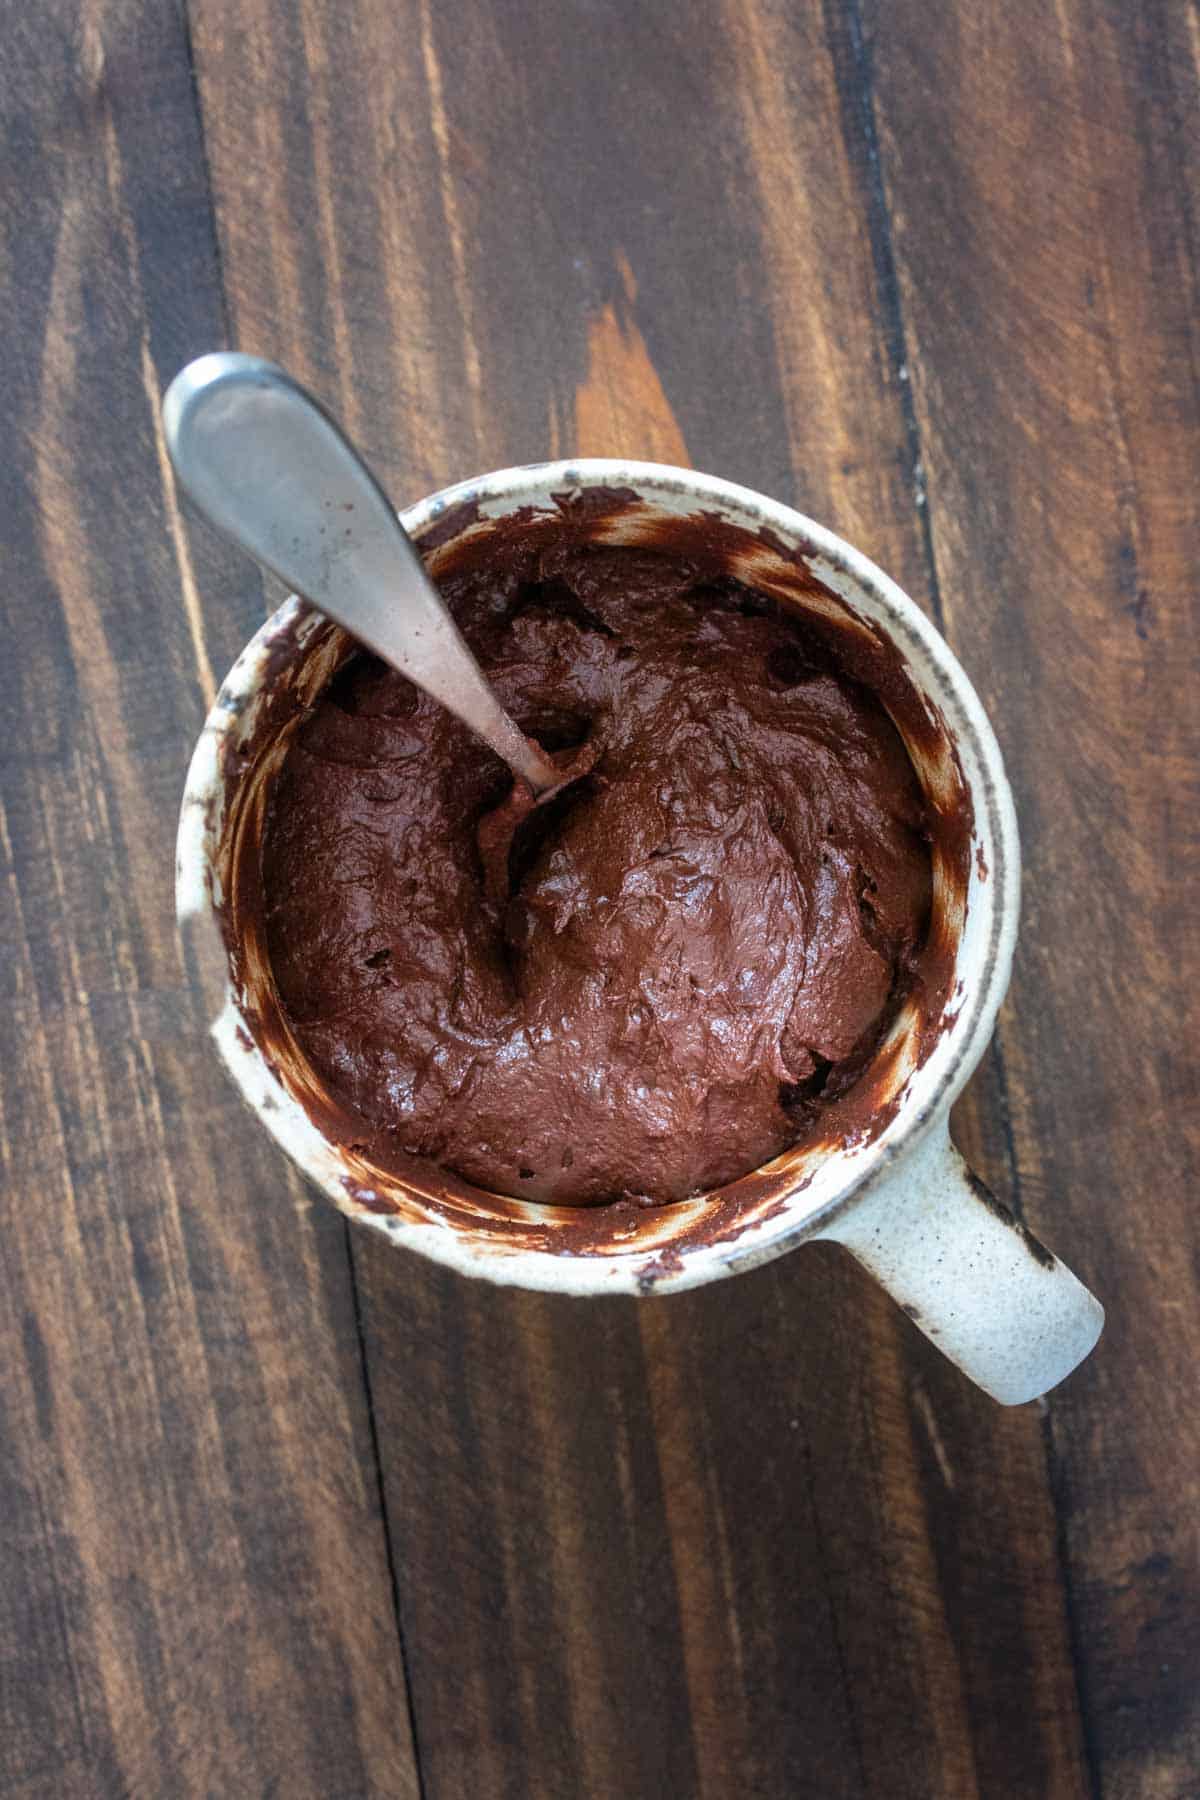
(689, 952)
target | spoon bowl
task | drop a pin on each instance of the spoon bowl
(269, 467)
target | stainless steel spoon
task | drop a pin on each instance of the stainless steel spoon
(266, 463)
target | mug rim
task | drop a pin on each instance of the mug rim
(966, 1036)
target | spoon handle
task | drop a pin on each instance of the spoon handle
(266, 463)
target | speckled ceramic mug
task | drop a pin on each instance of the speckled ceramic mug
(902, 1200)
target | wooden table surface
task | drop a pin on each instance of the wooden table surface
(283, 1512)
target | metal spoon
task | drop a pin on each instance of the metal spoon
(266, 463)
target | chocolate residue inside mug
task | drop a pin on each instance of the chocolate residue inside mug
(733, 938)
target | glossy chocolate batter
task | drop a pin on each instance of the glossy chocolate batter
(689, 953)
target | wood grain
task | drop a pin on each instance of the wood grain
(1062, 469)
(195, 1594)
(927, 272)
(761, 1539)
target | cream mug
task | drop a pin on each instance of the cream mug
(991, 1297)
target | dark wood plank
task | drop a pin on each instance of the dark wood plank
(196, 1597)
(1042, 172)
(758, 1540)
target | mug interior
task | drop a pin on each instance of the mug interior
(621, 1248)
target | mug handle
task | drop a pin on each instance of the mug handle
(977, 1283)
